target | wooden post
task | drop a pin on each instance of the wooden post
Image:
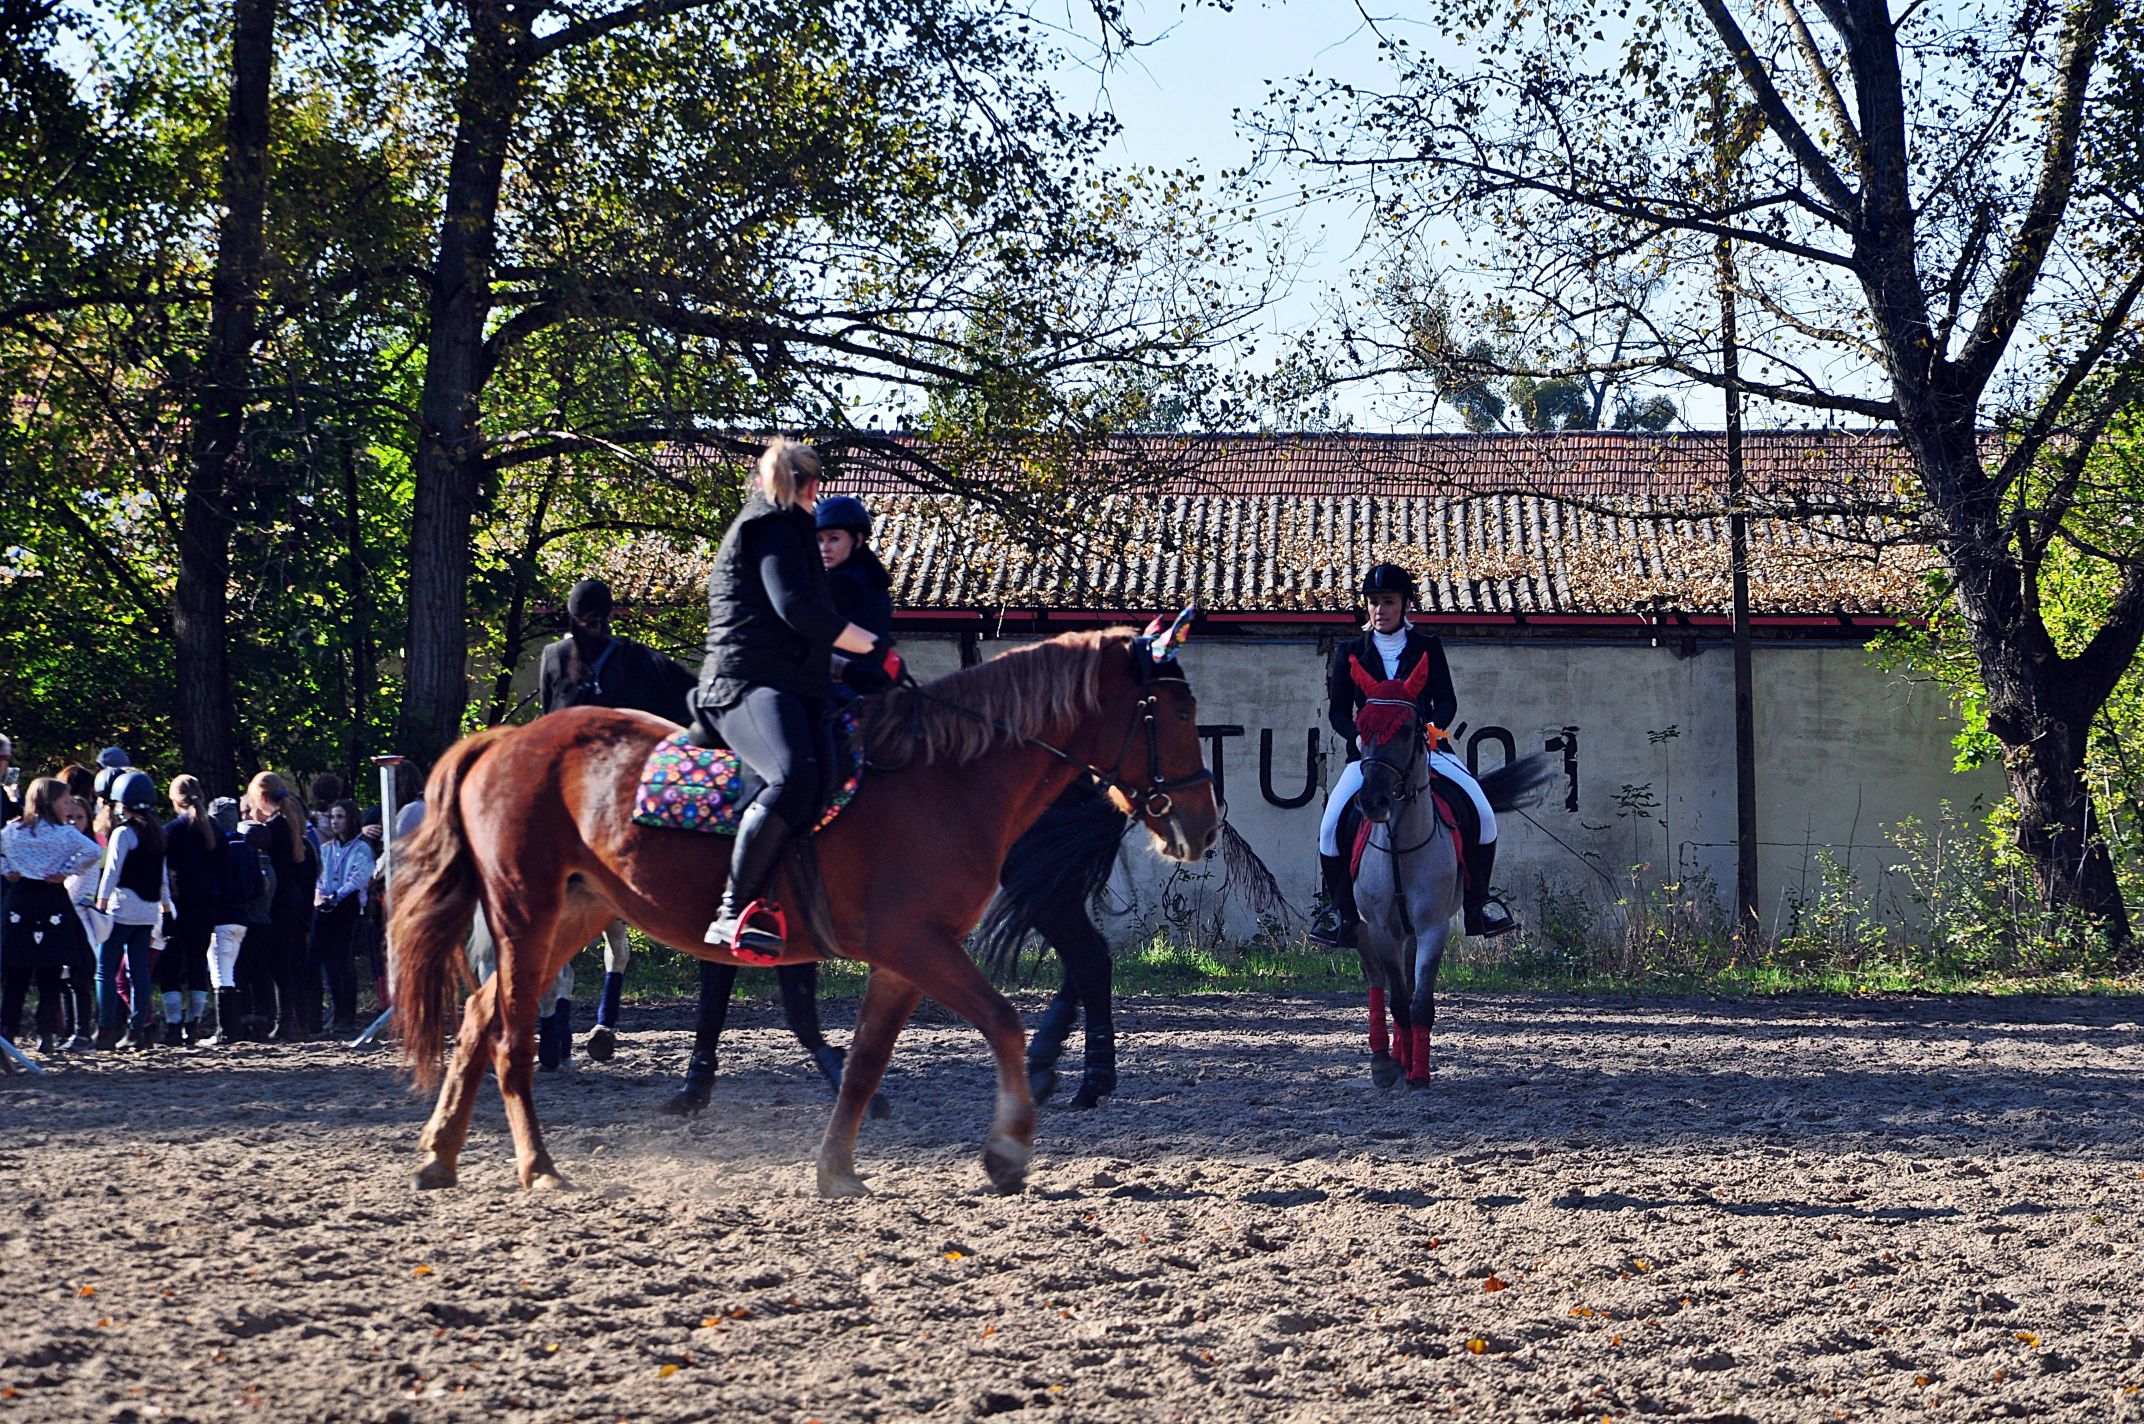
(1749, 919)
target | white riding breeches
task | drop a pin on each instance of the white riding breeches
(223, 949)
(1349, 782)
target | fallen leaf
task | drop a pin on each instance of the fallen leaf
(1495, 1283)
(1923, 1381)
(87, 1291)
(421, 1271)
(551, 1349)
(989, 1330)
(666, 1371)
(1642, 1265)
(1614, 1341)
(956, 1256)
(10, 1393)
(2030, 1340)
(1581, 1310)
(1476, 1346)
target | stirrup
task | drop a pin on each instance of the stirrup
(1478, 925)
(760, 946)
(1332, 929)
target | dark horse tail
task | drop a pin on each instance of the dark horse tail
(1051, 872)
(435, 900)
(1519, 783)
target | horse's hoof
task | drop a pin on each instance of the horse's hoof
(1005, 1160)
(687, 1101)
(434, 1175)
(546, 1180)
(1041, 1081)
(1092, 1089)
(602, 1044)
(1418, 1085)
(841, 1184)
(880, 1108)
(1384, 1070)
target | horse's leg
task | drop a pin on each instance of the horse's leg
(1385, 1070)
(520, 981)
(1398, 998)
(443, 1137)
(602, 1042)
(710, 1014)
(1422, 1001)
(888, 1001)
(1051, 1030)
(800, 1006)
(941, 968)
(1088, 970)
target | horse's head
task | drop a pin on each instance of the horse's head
(1160, 766)
(1389, 733)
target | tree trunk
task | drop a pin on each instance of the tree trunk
(2058, 827)
(216, 453)
(362, 669)
(449, 466)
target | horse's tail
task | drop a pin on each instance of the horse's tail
(1519, 783)
(435, 900)
(1055, 869)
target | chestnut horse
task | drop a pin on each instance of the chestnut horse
(534, 823)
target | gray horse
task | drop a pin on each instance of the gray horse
(1408, 888)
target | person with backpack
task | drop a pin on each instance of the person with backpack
(134, 891)
(593, 667)
(247, 900)
(194, 852)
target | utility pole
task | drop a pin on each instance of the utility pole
(1749, 921)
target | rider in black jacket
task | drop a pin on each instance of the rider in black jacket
(771, 634)
(1390, 647)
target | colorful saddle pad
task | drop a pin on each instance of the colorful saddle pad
(684, 787)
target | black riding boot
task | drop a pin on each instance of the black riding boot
(1486, 917)
(761, 837)
(1336, 927)
(228, 1020)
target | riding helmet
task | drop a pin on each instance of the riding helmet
(844, 511)
(134, 790)
(1390, 578)
(102, 787)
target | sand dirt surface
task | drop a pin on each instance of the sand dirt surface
(1787, 1210)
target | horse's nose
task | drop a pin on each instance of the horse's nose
(1213, 838)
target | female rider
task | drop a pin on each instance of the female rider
(771, 634)
(1390, 648)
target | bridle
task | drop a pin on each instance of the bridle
(1404, 793)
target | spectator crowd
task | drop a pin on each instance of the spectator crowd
(146, 917)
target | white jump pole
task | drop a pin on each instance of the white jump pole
(18, 1055)
(388, 809)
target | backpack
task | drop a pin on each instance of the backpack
(588, 691)
(249, 879)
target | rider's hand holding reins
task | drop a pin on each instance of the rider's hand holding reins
(876, 670)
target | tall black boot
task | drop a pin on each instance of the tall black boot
(1336, 927)
(1486, 916)
(229, 1020)
(761, 837)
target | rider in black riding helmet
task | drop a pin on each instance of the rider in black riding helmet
(1390, 647)
(771, 634)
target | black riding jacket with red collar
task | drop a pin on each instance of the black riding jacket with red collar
(1437, 703)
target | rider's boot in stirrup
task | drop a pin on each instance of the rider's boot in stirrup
(1486, 917)
(742, 923)
(1336, 926)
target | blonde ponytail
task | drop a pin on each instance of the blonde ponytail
(785, 467)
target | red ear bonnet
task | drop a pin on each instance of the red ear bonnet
(1361, 674)
(1384, 721)
(1418, 679)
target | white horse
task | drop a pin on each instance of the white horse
(1409, 888)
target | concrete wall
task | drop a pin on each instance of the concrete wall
(1646, 738)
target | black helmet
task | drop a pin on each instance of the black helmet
(843, 511)
(102, 787)
(134, 790)
(1390, 578)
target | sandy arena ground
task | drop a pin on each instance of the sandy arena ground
(1790, 1210)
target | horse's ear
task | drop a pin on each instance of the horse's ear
(1361, 674)
(1419, 678)
(1153, 626)
(1178, 634)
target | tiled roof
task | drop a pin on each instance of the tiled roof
(1496, 556)
(1784, 469)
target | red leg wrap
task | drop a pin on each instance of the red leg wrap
(1418, 1057)
(1378, 1042)
(1399, 1045)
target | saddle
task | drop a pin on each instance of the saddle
(687, 787)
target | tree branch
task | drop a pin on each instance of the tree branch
(1780, 118)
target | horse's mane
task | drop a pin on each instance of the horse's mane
(1040, 690)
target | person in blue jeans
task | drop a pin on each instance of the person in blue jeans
(133, 891)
